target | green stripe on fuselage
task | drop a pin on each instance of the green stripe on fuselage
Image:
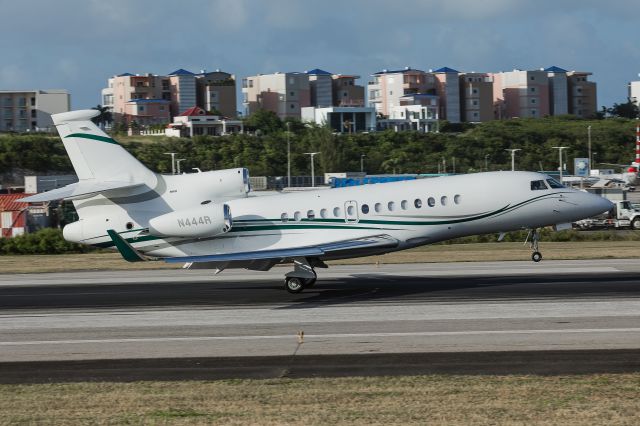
(93, 137)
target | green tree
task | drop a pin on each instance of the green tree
(265, 121)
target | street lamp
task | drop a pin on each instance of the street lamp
(313, 177)
(288, 156)
(513, 157)
(173, 161)
(560, 148)
(362, 163)
(178, 161)
(589, 139)
(486, 162)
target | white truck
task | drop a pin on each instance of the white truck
(622, 215)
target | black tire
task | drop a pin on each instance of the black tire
(536, 256)
(635, 224)
(294, 284)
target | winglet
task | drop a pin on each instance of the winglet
(126, 250)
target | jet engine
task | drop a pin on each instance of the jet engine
(208, 220)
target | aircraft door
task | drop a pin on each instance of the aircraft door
(351, 212)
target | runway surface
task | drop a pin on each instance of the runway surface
(482, 317)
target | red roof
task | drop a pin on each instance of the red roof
(9, 202)
(194, 111)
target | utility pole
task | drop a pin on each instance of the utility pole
(178, 161)
(173, 161)
(560, 148)
(513, 157)
(453, 164)
(313, 177)
(288, 156)
(486, 162)
(362, 163)
(589, 139)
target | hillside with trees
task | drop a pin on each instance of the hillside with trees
(264, 151)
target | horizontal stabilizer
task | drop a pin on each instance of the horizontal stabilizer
(371, 243)
(78, 189)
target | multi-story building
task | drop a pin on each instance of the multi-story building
(321, 88)
(583, 100)
(283, 93)
(448, 90)
(388, 87)
(523, 94)
(30, 110)
(476, 97)
(146, 112)
(181, 89)
(634, 92)
(346, 93)
(558, 90)
(418, 111)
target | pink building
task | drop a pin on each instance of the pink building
(147, 111)
(523, 94)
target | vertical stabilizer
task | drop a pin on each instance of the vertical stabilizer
(94, 154)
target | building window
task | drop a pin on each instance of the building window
(390, 92)
(475, 103)
(532, 90)
(292, 106)
(533, 101)
(140, 108)
(474, 91)
(532, 78)
(33, 101)
(292, 93)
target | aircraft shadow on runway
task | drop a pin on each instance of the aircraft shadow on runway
(355, 289)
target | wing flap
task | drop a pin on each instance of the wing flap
(373, 242)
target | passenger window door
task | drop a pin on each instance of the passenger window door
(351, 212)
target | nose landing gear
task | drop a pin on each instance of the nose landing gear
(536, 256)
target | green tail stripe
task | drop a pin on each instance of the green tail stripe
(94, 137)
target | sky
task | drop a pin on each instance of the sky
(78, 44)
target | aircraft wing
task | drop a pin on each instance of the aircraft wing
(360, 244)
(78, 189)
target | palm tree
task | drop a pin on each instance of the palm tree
(105, 116)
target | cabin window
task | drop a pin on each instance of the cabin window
(391, 206)
(351, 210)
(129, 226)
(311, 215)
(537, 185)
(336, 211)
(417, 203)
(443, 200)
(284, 217)
(456, 199)
(404, 204)
(323, 213)
(378, 207)
(554, 183)
(297, 216)
(431, 201)
(365, 208)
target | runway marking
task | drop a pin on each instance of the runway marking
(308, 337)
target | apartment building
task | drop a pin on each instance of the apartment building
(558, 90)
(389, 86)
(346, 93)
(30, 110)
(634, 92)
(182, 90)
(321, 88)
(448, 90)
(583, 98)
(283, 93)
(523, 94)
(476, 97)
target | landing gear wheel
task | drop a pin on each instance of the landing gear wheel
(294, 284)
(536, 256)
(309, 282)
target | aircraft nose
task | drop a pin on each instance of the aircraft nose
(595, 204)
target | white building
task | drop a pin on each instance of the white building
(342, 119)
(634, 92)
(419, 112)
(283, 93)
(30, 110)
(195, 121)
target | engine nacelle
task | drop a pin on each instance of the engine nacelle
(204, 221)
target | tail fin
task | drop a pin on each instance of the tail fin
(95, 155)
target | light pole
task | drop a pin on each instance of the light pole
(362, 163)
(560, 148)
(173, 161)
(513, 157)
(486, 162)
(178, 161)
(288, 156)
(313, 177)
(589, 139)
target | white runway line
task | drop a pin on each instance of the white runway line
(308, 337)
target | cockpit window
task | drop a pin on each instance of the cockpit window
(554, 183)
(537, 185)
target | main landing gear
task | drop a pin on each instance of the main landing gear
(303, 276)
(536, 256)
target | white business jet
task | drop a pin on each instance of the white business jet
(209, 219)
